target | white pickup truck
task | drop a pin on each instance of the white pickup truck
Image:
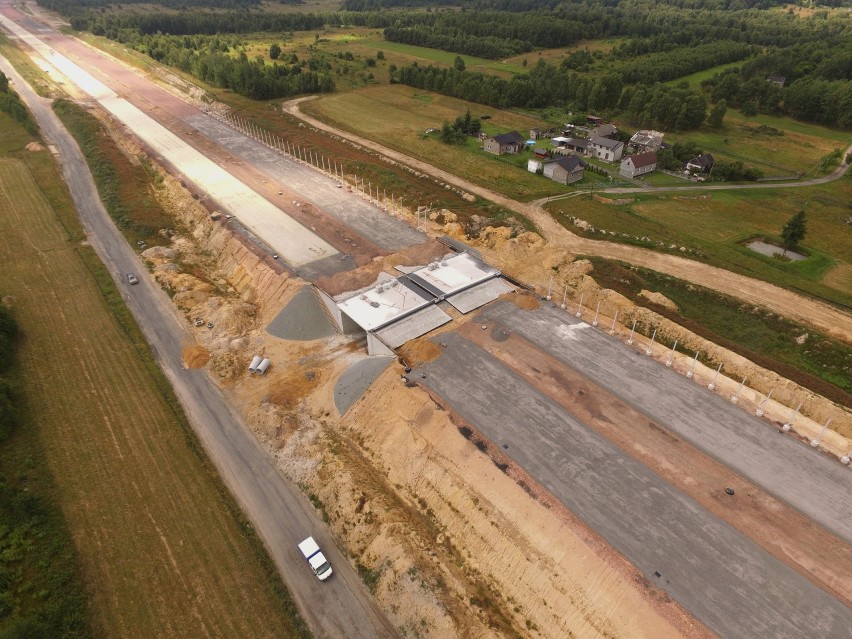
(317, 561)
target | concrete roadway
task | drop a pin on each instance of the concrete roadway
(815, 485)
(716, 573)
(279, 512)
(383, 230)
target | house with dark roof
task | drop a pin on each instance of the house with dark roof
(638, 164)
(606, 149)
(702, 164)
(503, 143)
(565, 170)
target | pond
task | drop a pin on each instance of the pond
(772, 250)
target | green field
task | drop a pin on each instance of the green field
(715, 225)
(695, 79)
(397, 116)
(163, 550)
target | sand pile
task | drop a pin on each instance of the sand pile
(195, 356)
(658, 298)
(419, 351)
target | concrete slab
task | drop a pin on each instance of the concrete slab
(303, 319)
(813, 484)
(365, 219)
(356, 379)
(295, 244)
(727, 581)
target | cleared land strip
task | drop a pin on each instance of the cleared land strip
(296, 244)
(718, 574)
(813, 484)
(785, 533)
(161, 550)
(832, 321)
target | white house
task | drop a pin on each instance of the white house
(639, 164)
(565, 170)
(606, 149)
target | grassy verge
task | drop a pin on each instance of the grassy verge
(126, 188)
(819, 363)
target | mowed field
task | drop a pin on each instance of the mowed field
(397, 116)
(163, 552)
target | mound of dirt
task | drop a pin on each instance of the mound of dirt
(231, 317)
(419, 351)
(658, 298)
(195, 356)
(289, 390)
(522, 300)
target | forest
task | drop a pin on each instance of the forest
(655, 42)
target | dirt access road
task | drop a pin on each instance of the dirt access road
(828, 319)
(280, 513)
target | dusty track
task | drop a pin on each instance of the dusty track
(828, 319)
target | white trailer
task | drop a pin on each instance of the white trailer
(317, 561)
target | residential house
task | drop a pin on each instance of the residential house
(594, 120)
(646, 141)
(603, 131)
(638, 164)
(503, 143)
(565, 170)
(536, 134)
(702, 164)
(778, 80)
(606, 149)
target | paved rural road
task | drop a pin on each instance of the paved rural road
(341, 608)
(827, 318)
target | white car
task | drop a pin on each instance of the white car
(132, 278)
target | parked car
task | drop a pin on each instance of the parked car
(132, 278)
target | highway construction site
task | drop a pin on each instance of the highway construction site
(488, 437)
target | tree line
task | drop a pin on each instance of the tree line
(660, 42)
(209, 59)
(660, 106)
(10, 103)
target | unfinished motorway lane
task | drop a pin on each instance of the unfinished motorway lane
(240, 176)
(339, 608)
(717, 573)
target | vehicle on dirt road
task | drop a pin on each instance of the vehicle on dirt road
(132, 278)
(317, 561)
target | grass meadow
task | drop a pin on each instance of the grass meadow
(717, 224)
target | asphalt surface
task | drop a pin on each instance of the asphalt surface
(356, 379)
(302, 319)
(814, 484)
(718, 574)
(279, 512)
